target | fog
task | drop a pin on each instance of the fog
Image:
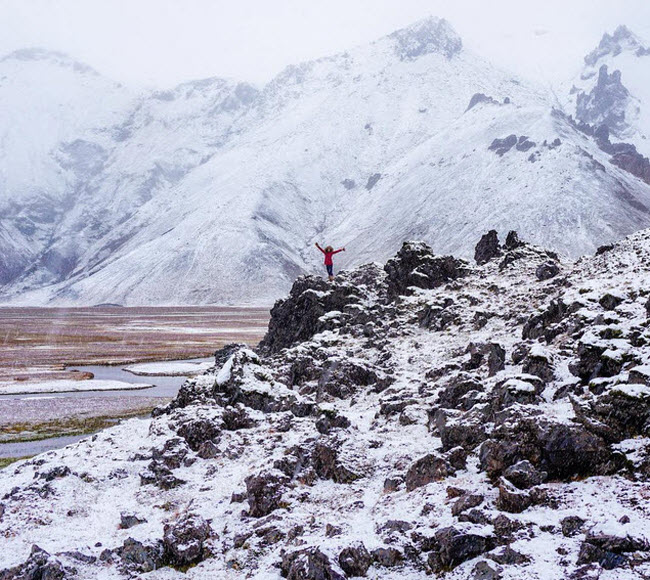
(164, 42)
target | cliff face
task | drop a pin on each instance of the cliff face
(475, 421)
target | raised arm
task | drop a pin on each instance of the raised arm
(339, 250)
(321, 249)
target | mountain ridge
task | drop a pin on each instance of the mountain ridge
(225, 186)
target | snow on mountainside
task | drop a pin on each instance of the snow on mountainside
(215, 192)
(428, 417)
(48, 102)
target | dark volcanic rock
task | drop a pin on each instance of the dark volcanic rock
(387, 557)
(542, 325)
(539, 364)
(610, 302)
(138, 557)
(594, 360)
(198, 431)
(625, 412)
(609, 551)
(308, 564)
(571, 525)
(184, 540)
(490, 352)
(513, 241)
(524, 475)
(355, 560)
(562, 450)
(487, 248)
(606, 103)
(425, 470)
(465, 502)
(478, 98)
(511, 499)
(416, 265)
(298, 317)
(460, 430)
(128, 520)
(326, 464)
(547, 270)
(264, 492)
(502, 146)
(452, 548)
(39, 566)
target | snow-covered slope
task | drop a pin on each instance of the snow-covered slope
(49, 104)
(216, 191)
(427, 417)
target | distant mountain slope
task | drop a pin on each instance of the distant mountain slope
(216, 191)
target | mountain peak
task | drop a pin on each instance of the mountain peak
(35, 54)
(431, 35)
(622, 40)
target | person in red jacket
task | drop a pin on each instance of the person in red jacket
(329, 251)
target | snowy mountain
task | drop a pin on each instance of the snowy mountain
(215, 191)
(430, 416)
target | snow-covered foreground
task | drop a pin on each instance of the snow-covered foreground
(483, 421)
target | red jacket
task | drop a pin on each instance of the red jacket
(328, 255)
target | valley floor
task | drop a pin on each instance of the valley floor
(43, 395)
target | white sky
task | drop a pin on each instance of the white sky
(164, 42)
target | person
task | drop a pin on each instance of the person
(329, 251)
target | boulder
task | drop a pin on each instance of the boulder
(264, 492)
(545, 324)
(610, 551)
(487, 248)
(490, 353)
(547, 270)
(355, 560)
(427, 469)
(524, 475)
(184, 540)
(415, 265)
(39, 566)
(562, 450)
(511, 499)
(387, 557)
(465, 502)
(452, 548)
(308, 564)
(197, 431)
(327, 465)
(571, 525)
(137, 557)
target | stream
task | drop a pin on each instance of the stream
(164, 386)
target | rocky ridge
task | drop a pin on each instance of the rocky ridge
(483, 420)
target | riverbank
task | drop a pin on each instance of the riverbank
(54, 362)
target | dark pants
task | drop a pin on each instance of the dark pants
(330, 269)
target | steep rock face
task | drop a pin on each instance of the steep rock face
(607, 102)
(520, 426)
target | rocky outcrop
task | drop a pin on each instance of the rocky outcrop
(487, 248)
(415, 265)
(607, 102)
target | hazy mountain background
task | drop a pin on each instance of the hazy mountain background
(214, 191)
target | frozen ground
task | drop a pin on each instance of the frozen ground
(431, 417)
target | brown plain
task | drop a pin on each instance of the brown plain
(39, 343)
